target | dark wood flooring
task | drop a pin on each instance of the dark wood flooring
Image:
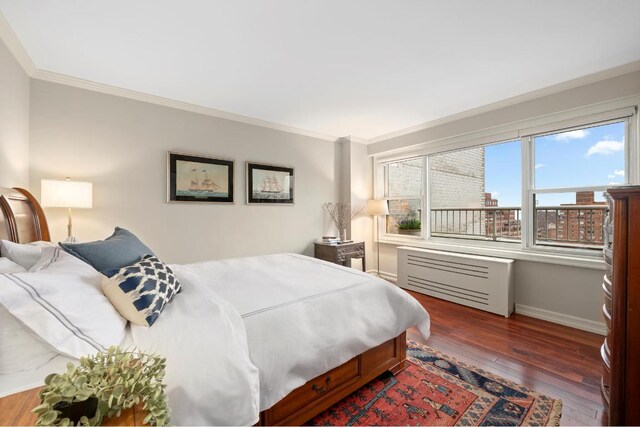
(556, 360)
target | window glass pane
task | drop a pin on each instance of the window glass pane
(580, 158)
(570, 219)
(405, 217)
(475, 193)
(404, 178)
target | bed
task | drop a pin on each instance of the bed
(343, 336)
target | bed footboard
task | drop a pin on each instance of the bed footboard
(320, 393)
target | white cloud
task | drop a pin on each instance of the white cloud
(572, 134)
(605, 147)
(494, 194)
(615, 183)
(617, 172)
(539, 165)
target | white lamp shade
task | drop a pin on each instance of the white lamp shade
(377, 207)
(66, 194)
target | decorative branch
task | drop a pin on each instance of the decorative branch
(340, 214)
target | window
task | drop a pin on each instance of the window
(572, 169)
(475, 193)
(541, 188)
(403, 190)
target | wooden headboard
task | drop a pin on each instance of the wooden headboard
(22, 219)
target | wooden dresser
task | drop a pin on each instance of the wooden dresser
(621, 348)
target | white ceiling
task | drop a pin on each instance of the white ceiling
(338, 67)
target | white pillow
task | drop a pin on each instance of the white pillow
(56, 260)
(20, 350)
(24, 254)
(8, 266)
(63, 304)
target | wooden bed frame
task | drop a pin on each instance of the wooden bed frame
(22, 220)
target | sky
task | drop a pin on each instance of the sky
(579, 158)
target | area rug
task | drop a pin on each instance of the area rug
(435, 389)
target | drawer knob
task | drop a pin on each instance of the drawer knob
(320, 390)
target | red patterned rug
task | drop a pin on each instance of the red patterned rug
(435, 389)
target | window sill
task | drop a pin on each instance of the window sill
(502, 250)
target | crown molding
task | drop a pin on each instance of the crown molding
(9, 37)
(549, 90)
(64, 79)
(358, 140)
(15, 46)
(19, 52)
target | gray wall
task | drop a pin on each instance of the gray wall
(605, 90)
(121, 145)
(14, 121)
(572, 291)
(562, 289)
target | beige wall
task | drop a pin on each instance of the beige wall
(14, 121)
(566, 290)
(120, 145)
(360, 190)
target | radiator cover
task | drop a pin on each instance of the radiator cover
(481, 282)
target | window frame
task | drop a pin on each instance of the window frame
(385, 183)
(529, 191)
(612, 112)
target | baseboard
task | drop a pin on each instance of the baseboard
(538, 313)
(562, 319)
(385, 275)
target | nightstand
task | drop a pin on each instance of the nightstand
(15, 410)
(341, 253)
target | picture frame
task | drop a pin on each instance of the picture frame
(197, 178)
(269, 184)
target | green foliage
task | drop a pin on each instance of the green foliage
(118, 379)
(409, 224)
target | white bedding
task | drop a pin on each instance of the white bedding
(302, 317)
(245, 332)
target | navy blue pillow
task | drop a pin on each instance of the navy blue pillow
(108, 256)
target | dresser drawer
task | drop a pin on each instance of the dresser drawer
(315, 388)
(607, 317)
(606, 291)
(350, 252)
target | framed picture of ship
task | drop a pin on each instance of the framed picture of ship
(269, 184)
(193, 178)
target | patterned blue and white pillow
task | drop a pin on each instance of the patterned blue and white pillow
(141, 290)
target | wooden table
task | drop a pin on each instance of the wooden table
(341, 253)
(15, 410)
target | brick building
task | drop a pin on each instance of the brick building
(505, 221)
(579, 222)
(457, 181)
(404, 180)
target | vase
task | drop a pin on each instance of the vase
(411, 232)
(343, 234)
(76, 410)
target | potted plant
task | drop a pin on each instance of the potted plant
(105, 384)
(410, 226)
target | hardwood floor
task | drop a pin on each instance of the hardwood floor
(556, 360)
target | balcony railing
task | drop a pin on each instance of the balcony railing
(555, 225)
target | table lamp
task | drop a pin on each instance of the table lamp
(67, 194)
(377, 207)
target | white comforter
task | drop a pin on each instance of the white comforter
(245, 332)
